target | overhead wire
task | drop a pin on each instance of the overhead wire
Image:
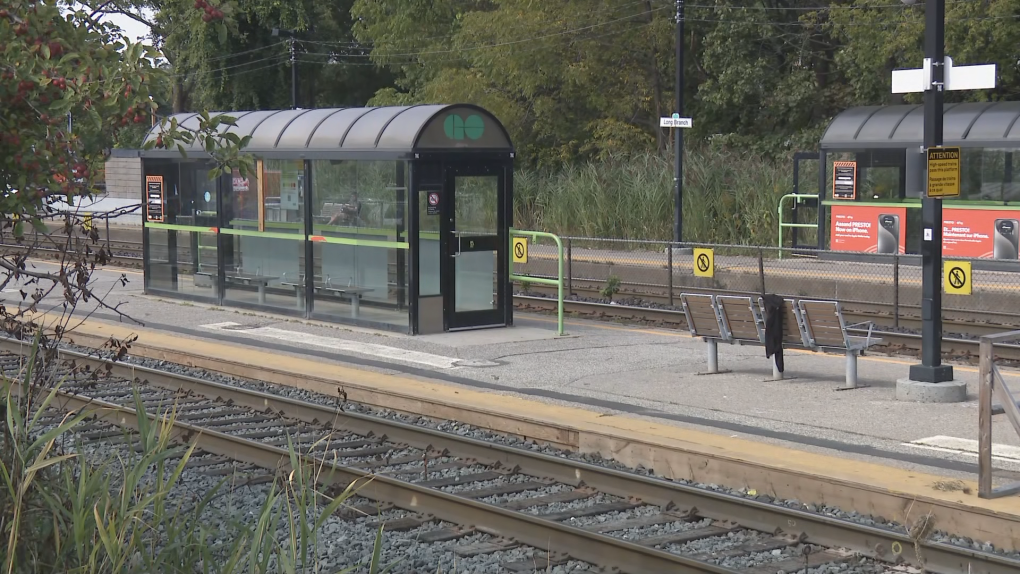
(404, 58)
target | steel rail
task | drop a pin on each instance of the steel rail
(528, 529)
(669, 316)
(879, 543)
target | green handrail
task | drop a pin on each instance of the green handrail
(798, 197)
(534, 235)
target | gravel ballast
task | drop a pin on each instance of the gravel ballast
(460, 429)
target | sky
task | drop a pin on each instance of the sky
(133, 29)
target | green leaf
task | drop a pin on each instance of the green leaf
(45, 51)
(48, 462)
(19, 229)
(180, 148)
(221, 31)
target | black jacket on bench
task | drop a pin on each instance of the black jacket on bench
(774, 328)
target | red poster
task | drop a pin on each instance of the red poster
(868, 229)
(980, 233)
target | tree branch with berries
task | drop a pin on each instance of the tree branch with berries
(69, 86)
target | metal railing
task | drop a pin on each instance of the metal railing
(992, 386)
(657, 271)
(558, 282)
(798, 198)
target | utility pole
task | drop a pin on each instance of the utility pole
(931, 381)
(293, 62)
(293, 74)
(678, 141)
(931, 369)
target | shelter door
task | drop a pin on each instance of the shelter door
(474, 263)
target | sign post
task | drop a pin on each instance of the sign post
(935, 77)
(677, 122)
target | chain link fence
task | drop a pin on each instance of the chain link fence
(657, 272)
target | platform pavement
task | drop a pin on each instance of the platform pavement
(645, 373)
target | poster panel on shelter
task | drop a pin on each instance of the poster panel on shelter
(986, 233)
(868, 229)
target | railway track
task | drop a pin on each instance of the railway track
(450, 487)
(962, 328)
(955, 348)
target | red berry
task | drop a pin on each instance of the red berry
(206, 17)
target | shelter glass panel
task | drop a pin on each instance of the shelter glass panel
(266, 267)
(359, 218)
(987, 175)
(475, 271)
(184, 244)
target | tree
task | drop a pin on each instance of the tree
(70, 87)
(238, 64)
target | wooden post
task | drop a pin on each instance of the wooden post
(985, 382)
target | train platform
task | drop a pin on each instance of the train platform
(649, 375)
(631, 394)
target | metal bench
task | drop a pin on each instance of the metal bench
(826, 329)
(352, 292)
(812, 325)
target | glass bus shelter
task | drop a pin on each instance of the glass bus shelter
(391, 217)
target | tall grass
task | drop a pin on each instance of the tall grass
(728, 198)
(62, 511)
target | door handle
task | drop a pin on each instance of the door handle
(457, 235)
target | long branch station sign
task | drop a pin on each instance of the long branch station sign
(943, 172)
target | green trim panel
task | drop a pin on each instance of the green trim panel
(175, 227)
(916, 204)
(359, 242)
(266, 234)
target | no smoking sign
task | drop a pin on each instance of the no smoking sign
(433, 206)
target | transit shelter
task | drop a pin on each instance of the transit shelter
(876, 175)
(388, 217)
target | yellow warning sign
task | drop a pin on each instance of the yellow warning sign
(944, 172)
(87, 222)
(520, 249)
(704, 263)
(957, 277)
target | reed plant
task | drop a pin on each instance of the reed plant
(64, 511)
(729, 197)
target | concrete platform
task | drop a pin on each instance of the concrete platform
(643, 374)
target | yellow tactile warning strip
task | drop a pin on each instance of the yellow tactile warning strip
(867, 488)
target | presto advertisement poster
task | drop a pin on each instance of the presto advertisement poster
(985, 233)
(868, 229)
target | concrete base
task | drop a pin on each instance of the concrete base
(954, 391)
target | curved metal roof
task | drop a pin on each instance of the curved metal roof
(390, 129)
(985, 124)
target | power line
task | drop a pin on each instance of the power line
(512, 42)
(447, 36)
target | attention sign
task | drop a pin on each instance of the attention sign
(944, 172)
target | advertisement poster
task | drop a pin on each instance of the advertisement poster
(983, 233)
(868, 229)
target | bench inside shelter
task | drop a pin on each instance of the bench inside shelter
(807, 324)
(320, 285)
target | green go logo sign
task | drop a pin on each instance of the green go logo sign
(457, 128)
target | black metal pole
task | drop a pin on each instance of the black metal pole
(678, 142)
(931, 369)
(293, 75)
